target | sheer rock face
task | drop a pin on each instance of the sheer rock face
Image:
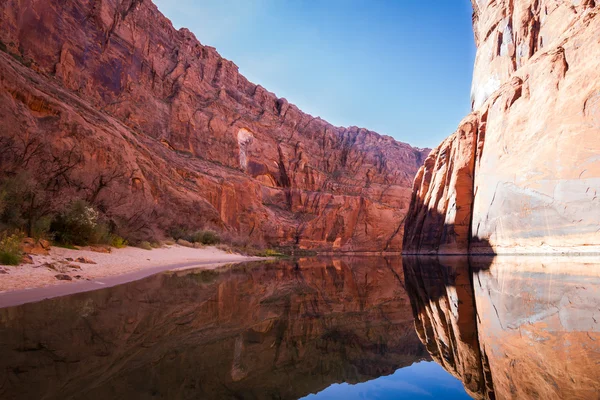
(440, 213)
(202, 144)
(535, 145)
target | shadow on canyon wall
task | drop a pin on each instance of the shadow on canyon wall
(511, 327)
(427, 232)
(252, 331)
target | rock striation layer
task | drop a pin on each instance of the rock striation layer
(522, 172)
(192, 142)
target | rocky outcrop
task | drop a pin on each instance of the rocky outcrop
(184, 137)
(524, 175)
(278, 330)
(510, 328)
(440, 212)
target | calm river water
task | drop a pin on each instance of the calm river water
(317, 328)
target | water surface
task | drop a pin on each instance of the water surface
(352, 328)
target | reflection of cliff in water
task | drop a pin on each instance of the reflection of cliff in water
(274, 330)
(513, 327)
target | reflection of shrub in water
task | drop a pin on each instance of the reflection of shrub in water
(206, 276)
(197, 277)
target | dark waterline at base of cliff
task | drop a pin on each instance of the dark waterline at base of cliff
(320, 328)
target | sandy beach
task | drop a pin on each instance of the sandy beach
(74, 267)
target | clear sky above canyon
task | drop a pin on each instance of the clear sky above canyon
(401, 68)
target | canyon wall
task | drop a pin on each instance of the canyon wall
(522, 172)
(112, 90)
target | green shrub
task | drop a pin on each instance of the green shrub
(7, 258)
(118, 242)
(41, 228)
(144, 245)
(177, 233)
(205, 237)
(10, 249)
(79, 224)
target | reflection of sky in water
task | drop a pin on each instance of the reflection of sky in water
(423, 380)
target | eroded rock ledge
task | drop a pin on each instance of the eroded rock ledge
(522, 172)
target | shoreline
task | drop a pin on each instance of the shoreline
(39, 281)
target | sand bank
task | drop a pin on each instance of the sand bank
(61, 272)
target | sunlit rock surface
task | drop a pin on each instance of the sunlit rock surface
(255, 331)
(534, 149)
(515, 328)
(192, 141)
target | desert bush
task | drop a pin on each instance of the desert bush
(177, 233)
(205, 237)
(202, 236)
(144, 245)
(118, 242)
(41, 228)
(10, 249)
(79, 224)
(185, 243)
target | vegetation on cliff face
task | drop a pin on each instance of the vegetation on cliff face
(43, 196)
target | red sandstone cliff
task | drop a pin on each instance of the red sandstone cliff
(522, 172)
(112, 90)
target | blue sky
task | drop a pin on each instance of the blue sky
(401, 68)
(423, 380)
